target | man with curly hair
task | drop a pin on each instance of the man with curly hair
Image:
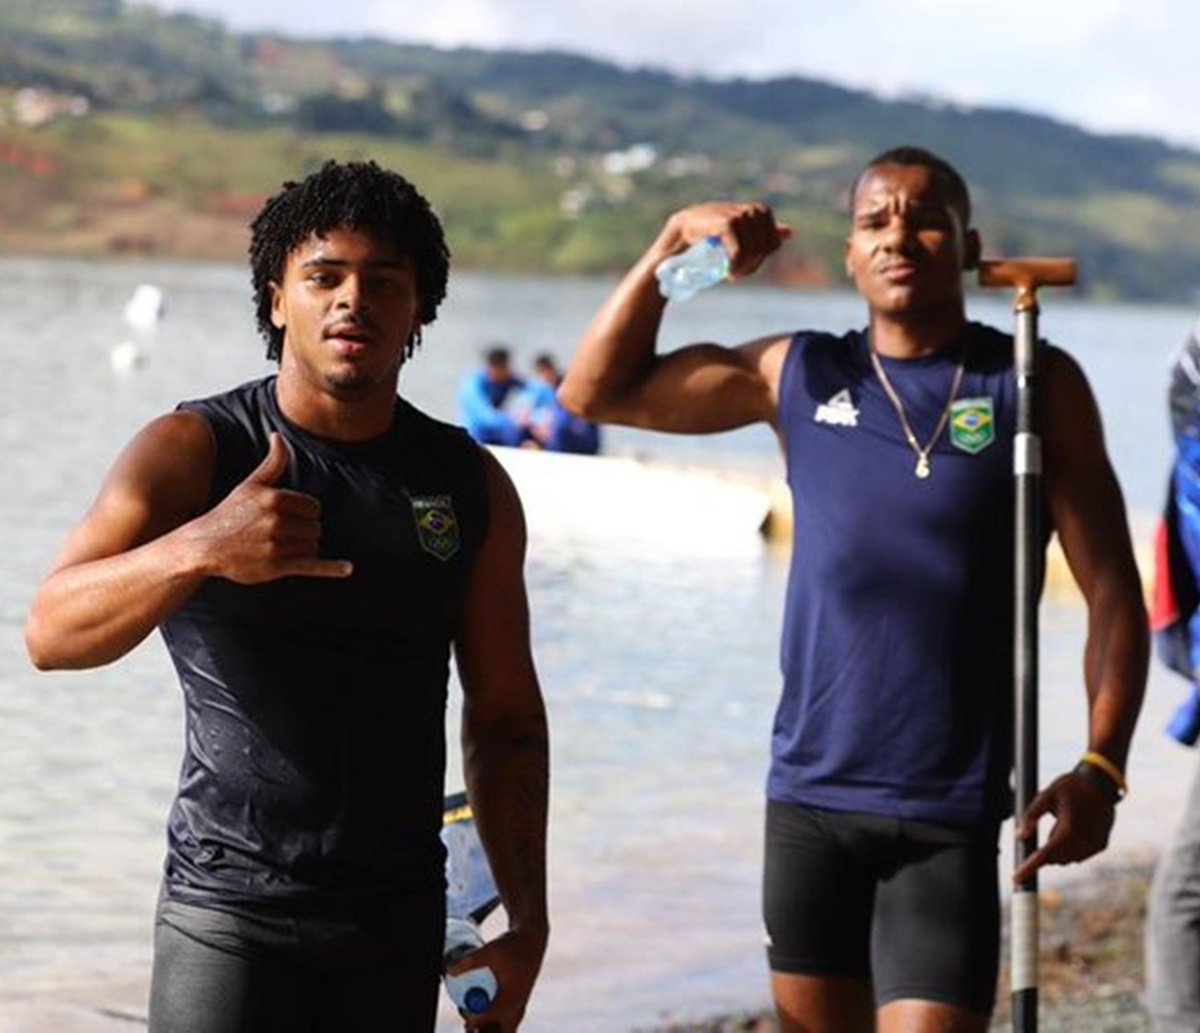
(313, 548)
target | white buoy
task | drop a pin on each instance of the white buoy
(146, 307)
(126, 356)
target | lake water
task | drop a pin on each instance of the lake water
(659, 666)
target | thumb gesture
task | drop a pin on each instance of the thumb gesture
(261, 532)
(274, 464)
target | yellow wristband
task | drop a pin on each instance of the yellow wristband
(1098, 760)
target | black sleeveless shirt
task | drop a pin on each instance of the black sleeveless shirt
(315, 743)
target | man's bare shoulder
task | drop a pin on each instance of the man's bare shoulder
(166, 467)
(179, 442)
(766, 355)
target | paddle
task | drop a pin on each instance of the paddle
(1026, 275)
(470, 889)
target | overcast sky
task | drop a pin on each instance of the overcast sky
(1108, 65)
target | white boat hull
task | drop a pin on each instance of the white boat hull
(641, 503)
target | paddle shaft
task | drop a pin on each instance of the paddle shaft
(1027, 471)
(1026, 275)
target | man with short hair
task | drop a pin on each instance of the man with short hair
(483, 396)
(891, 751)
(313, 548)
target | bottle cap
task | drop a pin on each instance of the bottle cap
(476, 1000)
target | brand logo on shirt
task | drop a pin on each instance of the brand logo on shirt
(972, 425)
(437, 526)
(839, 411)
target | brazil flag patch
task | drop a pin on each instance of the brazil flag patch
(437, 526)
(972, 426)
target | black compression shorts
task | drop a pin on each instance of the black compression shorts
(910, 906)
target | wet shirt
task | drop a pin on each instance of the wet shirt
(315, 748)
(897, 639)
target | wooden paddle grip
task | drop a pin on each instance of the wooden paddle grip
(1027, 275)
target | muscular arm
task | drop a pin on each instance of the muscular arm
(506, 743)
(616, 375)
(1089, 516)
(145, 545)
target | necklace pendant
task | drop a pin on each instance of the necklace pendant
(923, 469)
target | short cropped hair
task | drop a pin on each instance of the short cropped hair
(358, 196)
(947, 176)
(497, 357)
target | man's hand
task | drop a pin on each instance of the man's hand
(260, 532)
(748, 231)
(1084, 816)
(515, 957)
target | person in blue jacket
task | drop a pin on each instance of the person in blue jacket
(1173, 911)
(482, 399)
(548, 424)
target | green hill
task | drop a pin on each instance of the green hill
(133, 131)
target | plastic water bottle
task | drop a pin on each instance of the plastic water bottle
(702, 265)
(474, 990)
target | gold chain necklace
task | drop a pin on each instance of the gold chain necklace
(923, 469)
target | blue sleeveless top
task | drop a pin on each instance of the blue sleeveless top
(315, 740)
(897, 636)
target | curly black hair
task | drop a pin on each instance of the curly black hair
(359, 196)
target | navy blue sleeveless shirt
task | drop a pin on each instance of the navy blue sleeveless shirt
(897, 636)
(315, 743)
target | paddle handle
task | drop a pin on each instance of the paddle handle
(1027, 275)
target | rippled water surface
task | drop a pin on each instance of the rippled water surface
(659, 665)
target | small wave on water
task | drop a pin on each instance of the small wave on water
(636, 700)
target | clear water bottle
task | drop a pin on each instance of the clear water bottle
(702, 265)
(474, 990)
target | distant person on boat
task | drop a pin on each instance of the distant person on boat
(1173, 913)
(313, 549)
(484, 397)
(548, 424)
(892, 744)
